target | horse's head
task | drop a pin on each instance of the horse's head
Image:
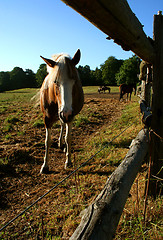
(61, 79)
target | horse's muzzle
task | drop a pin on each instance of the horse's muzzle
(66, 116)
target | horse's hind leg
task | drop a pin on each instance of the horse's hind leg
(68, 145)
(45, 166)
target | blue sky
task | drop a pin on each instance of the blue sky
(30, 28)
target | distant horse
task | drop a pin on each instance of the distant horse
(61, 96)
(124, 88)
(103, 89)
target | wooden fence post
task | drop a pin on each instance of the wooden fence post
(101, 218)
(155, 186)
(116, 19)
(146, 78)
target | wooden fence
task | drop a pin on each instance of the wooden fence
(116, 19)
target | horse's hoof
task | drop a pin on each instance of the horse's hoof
(68, 165)
(62, 147)
(44, 170)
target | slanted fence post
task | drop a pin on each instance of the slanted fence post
(155, 187)
(100, 219)
(146, 79)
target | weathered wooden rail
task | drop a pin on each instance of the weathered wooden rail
(101, 218)
(116, 19)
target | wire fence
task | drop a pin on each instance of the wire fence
(64, 179)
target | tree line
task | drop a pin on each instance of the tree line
(112, 72)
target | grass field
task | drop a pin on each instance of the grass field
(93, 89)
(57, 216)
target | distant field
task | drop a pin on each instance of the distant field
(94, 89)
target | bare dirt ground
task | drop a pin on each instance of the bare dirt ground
(23, 152)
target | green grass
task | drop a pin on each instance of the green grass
(132, 225)
(94, 89)
(58, 213)
(119, 147)
(80, 119)
(38, 123)
(12, 119)
(17, 95)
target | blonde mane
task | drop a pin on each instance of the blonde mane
(54, 73)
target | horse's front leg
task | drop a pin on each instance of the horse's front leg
(61, 144)
(68, 162)
(45, 166)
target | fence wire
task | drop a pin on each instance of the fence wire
(64, 179)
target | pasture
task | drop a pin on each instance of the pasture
(58, 214)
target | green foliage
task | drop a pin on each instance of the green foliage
(111, 72)
(16, 79)
(85, 75)
(30, 79)
(128, 71)
(103, 76)
(17, 76)
(109, 69)
(41, 74)
(96, 77)
(4, 81)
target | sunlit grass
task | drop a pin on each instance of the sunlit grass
(94, 89)
(57, 216)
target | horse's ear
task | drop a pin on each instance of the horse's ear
(76, 57)
(50, 62)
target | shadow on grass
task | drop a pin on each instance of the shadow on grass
(122, 143)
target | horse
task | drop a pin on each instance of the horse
(61, 97)
(103, 89)
(124, 88)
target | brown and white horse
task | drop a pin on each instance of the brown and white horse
(61, 96)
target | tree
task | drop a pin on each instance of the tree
(85, 75)
(128, 71)
(30, 78)
(4, 81)
(41, 74)
(96, 76)
(109, 69)
(17, 78)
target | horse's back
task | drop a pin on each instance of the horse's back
(126, 88)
